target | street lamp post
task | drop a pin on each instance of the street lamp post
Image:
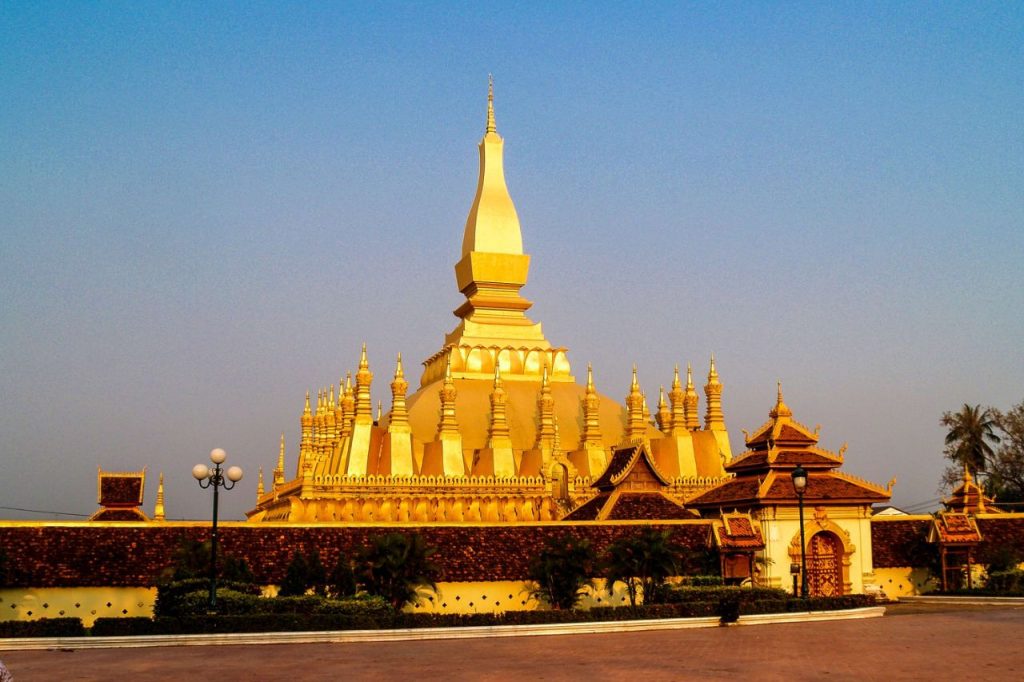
(800, 485)
(216, 478)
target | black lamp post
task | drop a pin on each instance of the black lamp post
(800, 485)
(215, 478)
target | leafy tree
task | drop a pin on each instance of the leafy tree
(397, 567)
(296, 580)
(316, 574)
(563, 570)
(189, 560)
(970, 436)
(1006, 470)
(642, 563)
(342, 581)
(237, 571)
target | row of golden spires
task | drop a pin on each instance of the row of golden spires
(335, 413)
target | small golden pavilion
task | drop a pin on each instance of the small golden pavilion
(499, 430)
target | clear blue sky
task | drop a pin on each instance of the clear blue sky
(206, 207)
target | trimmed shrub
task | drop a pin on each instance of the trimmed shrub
(171, 597)
(44, 627)
(125, 627)
(1010, 582)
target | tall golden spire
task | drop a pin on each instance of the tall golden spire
(636, 427)
(497, 432)
(448, 424)
(364, 404)
(279, 469)
(399, 414)
(591, 405)
(678, 398)
(158, 508)
(306, 444)
(545, 414)
(713, 417)
(690, 402)
(348, 406)
(490, 273)
(663, 416)
(492, 225)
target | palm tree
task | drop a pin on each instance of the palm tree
(397, 567)
(970, 432)
(642, 563)
(563, 571)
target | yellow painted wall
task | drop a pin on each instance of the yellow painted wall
(87, 603)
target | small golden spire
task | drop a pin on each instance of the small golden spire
(498, 383)
(713, 417)
(398, 367)
(365, 364)
(663, 415)
(675, 378)
(307, 410)
(781, 409)
(332, 404)
(590, 378)
(259, 484)
(380, 410)
(690, 400)
(636, 384)
(712, 373)
(158, 509)
(491, 126)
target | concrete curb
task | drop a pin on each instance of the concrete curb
(966, 600)
(413, 634)
(812, 616)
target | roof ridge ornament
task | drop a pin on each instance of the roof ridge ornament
(491, 125)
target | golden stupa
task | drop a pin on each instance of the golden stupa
(499, 430)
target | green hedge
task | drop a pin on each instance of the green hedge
(594, 615)
(44, 627)
(1009, 583)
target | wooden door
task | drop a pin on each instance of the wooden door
(825, 565)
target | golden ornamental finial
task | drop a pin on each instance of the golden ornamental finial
(497, 375)
(635, 385)
(491, 126)
(259, 484)
(544, 376)
(675, 378)
(689, 376)
(778, 383)
(348, 382)
(712, 373)
(398, 367)
(448, 367)
(380, 409)
(306, 410)
(590, 378)
(661, 396)
(363, 362)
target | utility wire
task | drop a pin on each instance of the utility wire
(44, 511)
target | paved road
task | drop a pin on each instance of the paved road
(914, 642)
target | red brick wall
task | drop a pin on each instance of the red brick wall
(132, 555)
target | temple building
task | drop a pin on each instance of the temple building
(499, 429)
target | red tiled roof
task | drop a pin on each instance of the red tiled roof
(646, 506)
(589, 510)
(738, 532)
(732, 491)
(620, 460)
(824, 486)
(956, 529)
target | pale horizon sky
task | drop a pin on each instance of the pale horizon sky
(205, 209)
